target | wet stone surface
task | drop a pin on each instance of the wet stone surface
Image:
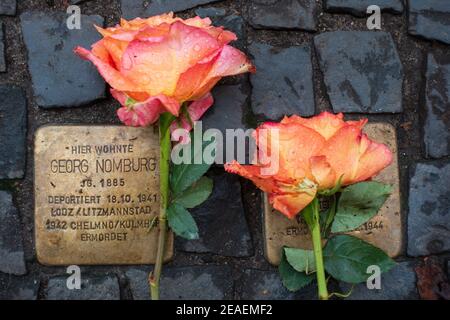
(8, 7)
(397, 284)
(437, 123)
(283, 14)
(429, 215)
(362, 71)
(19, 288)
(138, 8)
(13, 117)
(92, 288)
(263, 285)
(12, 259)
(204, 283)
(278, 90)
(2, 50)
(227, 113)
(430, 19)
(60, 78)
(221, 221)
(228, 109)
(359, 7)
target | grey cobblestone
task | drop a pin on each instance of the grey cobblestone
(228, 112)
(362, 71)
(60, 78)
(8, 7)
(283, 84)
(221, 221)
(429, 19)
(429, 215)
(92, 288)
(266, 285)
(284, 14)
(12, 259)
(397, 284)
(185, 283)
(437, 123)
(13, 121)
(359, 7)
(19, 288)
(2, 50)
(78, 1)
(138, 8)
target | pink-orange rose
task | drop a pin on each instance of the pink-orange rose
(314, 154)
(155, 65)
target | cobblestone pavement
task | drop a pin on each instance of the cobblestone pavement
(311, 56)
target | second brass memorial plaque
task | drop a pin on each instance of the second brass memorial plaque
(384, 230)
(97, 195)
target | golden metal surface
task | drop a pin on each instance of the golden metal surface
(384, 230)
(97, 195)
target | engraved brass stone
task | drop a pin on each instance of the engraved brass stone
(383, 231)
(97, 195)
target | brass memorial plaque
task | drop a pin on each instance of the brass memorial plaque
(384, 230)
(97, 195)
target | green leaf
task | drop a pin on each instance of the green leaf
(292, 279)
(301, 260)
(181, 222)
(347, 259)
(185, 175)
(196, 194)
(358, 204)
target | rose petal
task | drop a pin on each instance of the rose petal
(142, 114)
(323, 173)
(291, 204)
(196, 110)
(293, 143)
(253, 173)
(375, 158)
(352, 155)
(230, 62)
(326, 123)
(158, 66)
(190, 81)
(115, 49)
(115, 79)
(101, 52)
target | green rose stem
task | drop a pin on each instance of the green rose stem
(312, 218)
(164, 167)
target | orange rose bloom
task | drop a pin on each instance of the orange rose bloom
(154, 65)
(313, 155)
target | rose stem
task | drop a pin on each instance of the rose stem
(317, 245)
(164, 200)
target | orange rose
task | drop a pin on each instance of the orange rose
(314, 154)
(154, 65)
